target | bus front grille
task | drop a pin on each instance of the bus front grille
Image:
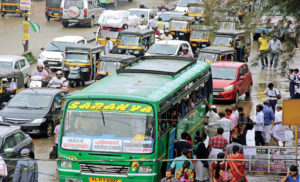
(104, 169)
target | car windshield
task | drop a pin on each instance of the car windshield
(221, 73)
(138, 13)
(130, 40)
(58, 46)
(162, 49)
(184, 3)
(227, 25)
(196, 10)
(113, 34)
(165, 17)
(76, 57)
(6, 65)
(223, 41)
(76, 3)
(108, 126)
(37, 101)
(108, 66)
(53, 3)
(199, 35)
(207, 57)
(178, 24)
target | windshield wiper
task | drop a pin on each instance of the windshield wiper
(58, 49)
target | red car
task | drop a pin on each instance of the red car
(230, 80)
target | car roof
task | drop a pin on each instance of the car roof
(68, 39)
(10, 58)
(171, 42)
(227, 64)
(7, 129)
(43, 91)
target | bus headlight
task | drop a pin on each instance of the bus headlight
(84, 69)
(66, 164)
(1, 119)
(145, 169)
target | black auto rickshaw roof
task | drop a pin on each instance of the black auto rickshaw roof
(7, 73)
(118, 58)
(217, 50)
(85, 48)
(182, 18)
(138, 32)
(230, 32)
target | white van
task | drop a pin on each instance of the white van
(80, 12)
(53, 54)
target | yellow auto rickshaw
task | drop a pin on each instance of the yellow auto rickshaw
(8, 77)
(212, 54)
(180, 27)
(10, 6)
(111, 62)
(197, 10)
(200, 37)
(81, 63)
(52, 9)
(135, 42)
(112, 33)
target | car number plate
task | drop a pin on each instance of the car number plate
(54, 63)
(215, 93)
(194, 45)
(181, 34)
(96, 179)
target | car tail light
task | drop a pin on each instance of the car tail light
(60, 11)
(85, 13)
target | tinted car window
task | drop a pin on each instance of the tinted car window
(246, 69)
(17, 66)
(22, 63)
(9, 142)
(19, 137)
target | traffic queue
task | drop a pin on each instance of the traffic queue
(196, 62)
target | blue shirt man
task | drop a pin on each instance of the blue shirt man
(109, 46)
(268, 114)
(179, 164)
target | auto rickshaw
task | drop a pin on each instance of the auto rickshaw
(200, 37)
(236, 39)
(213, 54)
(6, 78)
(111, 62)
(52, 9)
(10, 6)
(81, 62)
(197, 10)
(135, 42)
(112, 33)
(180, 27)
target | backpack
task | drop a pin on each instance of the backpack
(250, 123)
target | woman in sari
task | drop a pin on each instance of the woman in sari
(217, 168)
(237, 167)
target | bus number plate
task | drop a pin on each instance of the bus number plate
(96, 179)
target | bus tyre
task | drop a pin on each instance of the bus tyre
(49, 129)
(65, 24)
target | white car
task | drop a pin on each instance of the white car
(182, 5)
(168, 47)
(13, 62)
(53, 54)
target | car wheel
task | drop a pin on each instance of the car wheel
(49, 129)
(65, 24)
(236, 99)
(248, 94)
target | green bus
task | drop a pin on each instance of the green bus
(132, 115)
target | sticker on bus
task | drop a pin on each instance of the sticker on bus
(138, 146)
(107, 145)
(76, 143)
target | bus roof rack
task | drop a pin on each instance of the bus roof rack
(161, 65)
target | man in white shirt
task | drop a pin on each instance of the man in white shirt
(11, 86)
(167, 36)
(226, 124)
(278, 131)
(273, 94)
(59, 80)
(259, 126)
(275, 47)
(212, 118)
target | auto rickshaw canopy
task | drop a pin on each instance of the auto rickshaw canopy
(137, 32)
(183, 18)
(123, 58)
(85, 48)
(6, 73)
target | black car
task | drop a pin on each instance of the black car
(12, 141)
(36, 111)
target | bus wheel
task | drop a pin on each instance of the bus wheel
(65, 24)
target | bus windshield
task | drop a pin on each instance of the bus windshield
(77, 57)
(108, 126)
(130, 40)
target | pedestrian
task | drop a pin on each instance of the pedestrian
(234, 108)
(217, 144)
(151, 23)
(237, 167)
(185, 174)
(186, 53)
(292, 78)
(3, 169)
(108, 46)
(169, 177)
(263, 50)
(226, 124)
(160, 24)
(201, 167)
(292, 175)
(259, 126)
(268, 120)
(181, 144)
(26, 169)
(218, 167)
(167, 36)
(275, 47)
(297, 82)
(211, 118)
(273, 94)
(178, 162)
(292, 33)
(156, 31)
(235, 141)
(242, 123)
(278, 131)
(233, 118)
(56, 137)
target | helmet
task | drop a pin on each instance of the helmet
(59, 72)
(39, 66)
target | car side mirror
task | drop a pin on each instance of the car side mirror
(42, 48)
(242, 78)
(10, 151)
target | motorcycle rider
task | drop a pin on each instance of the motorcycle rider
(41, 72)
(58, 80)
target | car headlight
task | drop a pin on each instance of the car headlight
(66, 164)
(38, 121)
(84, 69)
(136, 52)
(1, 119)
(145, 169)
(229, 88)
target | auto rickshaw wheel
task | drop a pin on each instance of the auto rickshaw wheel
(3, 14)
(65, 24)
